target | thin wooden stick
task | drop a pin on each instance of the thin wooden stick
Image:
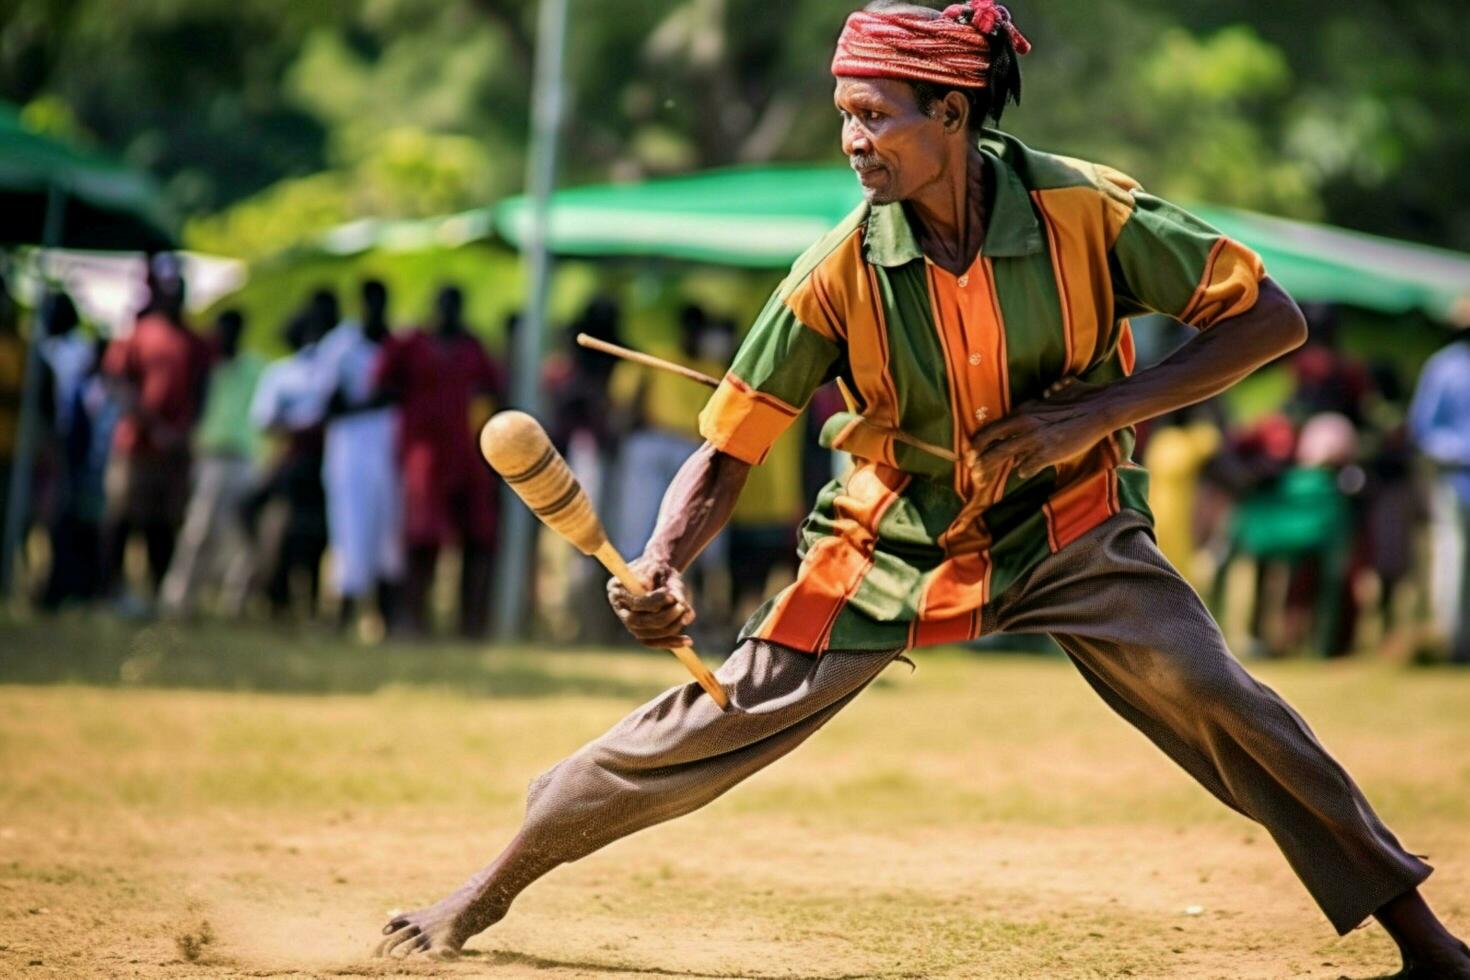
(898, 435)
(648, 360)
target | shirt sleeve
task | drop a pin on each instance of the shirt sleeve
(1165, 260)
(780, 364)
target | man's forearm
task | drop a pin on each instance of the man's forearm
(696, 506)
(1210, 363)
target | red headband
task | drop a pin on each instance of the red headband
(952, 49)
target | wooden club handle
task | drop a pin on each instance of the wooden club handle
(516, 446)
(614, 563)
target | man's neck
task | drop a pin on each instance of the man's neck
(951, 213)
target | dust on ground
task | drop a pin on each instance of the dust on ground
(982, 818)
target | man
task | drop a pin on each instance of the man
(1439, 419)
(12, 382)
(213, 545)
(434, 377)
(287, 511)
(658, 412)
(360, 467)
(158, 371)
(978, 277)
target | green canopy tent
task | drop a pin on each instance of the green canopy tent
(105, 206)
(764, 217)
(57, 196)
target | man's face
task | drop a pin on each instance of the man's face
(894, 147)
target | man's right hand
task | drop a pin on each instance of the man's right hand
(657, 619)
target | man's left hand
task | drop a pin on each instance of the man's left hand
(1061, 424)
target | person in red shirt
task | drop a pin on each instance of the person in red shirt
(158, 373)
(435, 375)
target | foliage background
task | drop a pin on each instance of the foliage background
(273, 120)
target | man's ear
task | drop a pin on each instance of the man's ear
(954, 112)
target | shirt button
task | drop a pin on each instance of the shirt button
(981, 414)
(974, 359)
(964, 281)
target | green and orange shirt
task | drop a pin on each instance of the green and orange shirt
(908, 548)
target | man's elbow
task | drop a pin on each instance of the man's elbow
(1289, 326)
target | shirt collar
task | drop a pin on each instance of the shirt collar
(1012, 231)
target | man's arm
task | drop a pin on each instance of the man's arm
(695, 507)
(1076, 416)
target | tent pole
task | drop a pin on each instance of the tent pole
(516, 562)
(19, 502)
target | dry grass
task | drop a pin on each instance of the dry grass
(199, 803)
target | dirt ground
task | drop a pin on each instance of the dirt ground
(162, 816)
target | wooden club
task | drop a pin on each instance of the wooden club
(516, 446)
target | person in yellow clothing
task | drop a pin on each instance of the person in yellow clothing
(659, 414)
(1176, 456)
(762, 527)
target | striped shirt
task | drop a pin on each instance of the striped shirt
(908, 548)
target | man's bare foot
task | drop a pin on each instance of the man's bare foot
(438, 931)
(441, 930)
(1450, 963)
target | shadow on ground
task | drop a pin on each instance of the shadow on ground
(510, 958)
(101, 651)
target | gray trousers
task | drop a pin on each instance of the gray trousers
(1141, 637)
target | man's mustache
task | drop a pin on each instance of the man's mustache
(863, 162)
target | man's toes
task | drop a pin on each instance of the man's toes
(418, 945)
(394, 925)
(386, 947)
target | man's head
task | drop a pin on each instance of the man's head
(914, 82)
(374, 300)
(301, 330)
(166, 286)
(692, 321)
(449, 310)
(228, 327)
(59, 314)
(324, 308)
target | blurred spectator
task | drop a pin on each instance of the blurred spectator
(364, 497)
(213, 546)
(1327, 379)
(159, 371)
(570, 585)
(434, 376)
(1393, 506)
(78, 415)
(1254, 458)
(659, 413)
(286, 513)
(12, 379)
(1300, 519)
(1439, 419)
(763, 525)
(1178, 449)
(68, 356)
(66, 360)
